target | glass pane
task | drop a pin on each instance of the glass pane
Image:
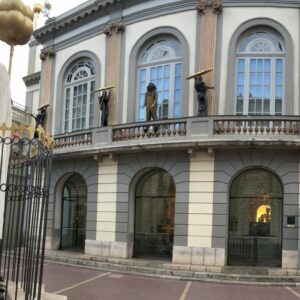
(241, 65)
(153, 74)
(278, 106)
(266, 106)
(177, 82)
(259, 65)
(267, 92)
(259, 78)
(278, 92)
(252, 65)
(267, 65)
(279, 65)
(143, 75)
(178, 70)
(251, 106)
(241, 78)
(159, 72)
(259, 91)
(278, 79)
(239, 106)
(267, 79)
(176, 110)
(258, 106)
(167, 71)
(252, 78)
(159, 85)
(240, 91)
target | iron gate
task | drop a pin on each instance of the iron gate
(26, 192)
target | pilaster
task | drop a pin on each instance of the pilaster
(209, 11)
(47, 56)
(112, 77)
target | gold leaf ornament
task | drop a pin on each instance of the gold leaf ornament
(16, 22)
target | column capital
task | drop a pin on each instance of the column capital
(115, 27)
(216, 6)
(47, 54)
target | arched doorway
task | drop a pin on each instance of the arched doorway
(73, 223)
(154, 215)
(255, 219)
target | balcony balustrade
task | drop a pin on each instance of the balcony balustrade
(184, 132)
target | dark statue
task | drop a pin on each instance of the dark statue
(104, 107)
(151, 102)
(201, 89)
(39, 119)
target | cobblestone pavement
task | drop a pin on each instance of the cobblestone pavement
(80, 283)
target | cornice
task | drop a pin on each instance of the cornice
(262, 3)
(95, 9)
(32, 79)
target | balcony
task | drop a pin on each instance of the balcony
(185, 133)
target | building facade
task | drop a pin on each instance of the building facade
(221, 189)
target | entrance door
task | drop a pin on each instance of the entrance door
(74, 214)
(154, 215)
(255, 216)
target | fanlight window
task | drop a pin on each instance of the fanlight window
(260, 74)
(79, 97)
(160, 62)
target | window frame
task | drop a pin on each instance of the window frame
(172, 62)
(247, 56)
(90, 81)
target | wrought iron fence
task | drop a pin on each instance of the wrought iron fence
(24, 186)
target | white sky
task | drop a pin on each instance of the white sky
(20, 62)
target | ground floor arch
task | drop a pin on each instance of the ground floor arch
(73, 216)
(255, 219)
(154, 215)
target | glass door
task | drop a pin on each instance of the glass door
(255, 220)
(154, 216)
(73, 224)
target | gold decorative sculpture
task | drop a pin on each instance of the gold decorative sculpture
(202, 72)
(16, 24)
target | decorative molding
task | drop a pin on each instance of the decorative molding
(115, 27)
(32, 79)
(47, 54)
(216, 6)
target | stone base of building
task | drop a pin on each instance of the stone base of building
(107, 248)
(199, 256)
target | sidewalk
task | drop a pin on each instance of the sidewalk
(166, 269)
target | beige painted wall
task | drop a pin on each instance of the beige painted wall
(234, 17)
(201, 200)
(107, 200)
(179, 21)
(96, 45)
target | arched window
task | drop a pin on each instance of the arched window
(160, 62)
(260, 74)
(79, 83)
(255, 219)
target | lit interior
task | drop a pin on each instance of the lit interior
(263, 214)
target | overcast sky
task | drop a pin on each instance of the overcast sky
(18, 89)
